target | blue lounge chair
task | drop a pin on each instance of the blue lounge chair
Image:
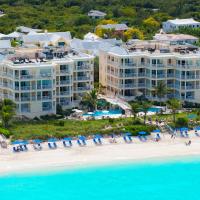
(15, 150)
(182, 135)
(49, 145)
(55, 145)
(94, 140)
(79, 143)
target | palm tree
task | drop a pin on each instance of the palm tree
(174, 105)
(145, 105)
(135, 107)
(7, 111)
(90, 100)
(161, 90)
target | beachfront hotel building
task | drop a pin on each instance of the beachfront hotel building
(39, 79)
(135, 69)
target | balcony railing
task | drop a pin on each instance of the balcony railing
(25, 98)
(46, 97)
(128, 75)
(83, 67)
(81, 89)
(82, 78)
(64, 82)
(65, 93)
(128, 85)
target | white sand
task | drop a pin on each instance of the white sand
(92, 155)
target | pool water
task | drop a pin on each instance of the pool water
(101, 113)
(154, 109)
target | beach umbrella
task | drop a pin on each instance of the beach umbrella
(37, 141)
(52, 140)
(67, 139)
(16, 142)
(156, 131)
(128, 134)
(82, 137)
(183, 129)
(197, 128)
(142, 133)
(97, 136)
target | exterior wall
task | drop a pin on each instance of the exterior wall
(133, 75)
(170, 27)
(38, 88)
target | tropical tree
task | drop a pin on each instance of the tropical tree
(174, 105)
(133, 33)
(135, 108)
(90, 100)
(145, 105)
(7, 111)
(161, 90)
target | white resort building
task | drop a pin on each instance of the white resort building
(135, 70)
(174, 25)
(39, 79)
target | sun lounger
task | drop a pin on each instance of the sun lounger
(15, 150)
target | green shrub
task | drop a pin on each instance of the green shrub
(5, 132)
(181, 122)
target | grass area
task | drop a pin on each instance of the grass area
(60, 129)
(169, 117)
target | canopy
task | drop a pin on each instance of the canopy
(183, 129)
(67, 139)
(18, 142)
(97, 136)
(37, 141)
(197, 128)
(52, 140)
(156, 131)
(128, 134)
(142, 133)
(82, 137)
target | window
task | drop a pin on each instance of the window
(46, 106)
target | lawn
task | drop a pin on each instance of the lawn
(60, 129)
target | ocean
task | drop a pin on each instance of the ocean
(152, 180)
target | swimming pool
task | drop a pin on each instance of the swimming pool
(101, 113)
(154, 109)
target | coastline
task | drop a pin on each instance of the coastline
(107, 154)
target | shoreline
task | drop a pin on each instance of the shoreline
(91, 156)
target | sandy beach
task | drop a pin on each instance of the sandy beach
(96, 155)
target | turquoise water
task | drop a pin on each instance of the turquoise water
(154, 109)
(100, 113)
(177, 180)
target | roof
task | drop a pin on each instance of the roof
(2, 35)
(14, 34)
(183, 21)
(96, 13)
(46, 37)
(174, 37)
(24, 29)
(117, 27)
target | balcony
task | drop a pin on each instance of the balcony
(25, 98)
(82, 89)
(82, 78)
(45, 75)
(161, 75)
(141, 74)
(130, 64)
(46, 97)
(64, 93)
(83, 67)
(26, 77)
(25, 87)
(128, 85)
(141, 84)
(64, 82)
(64, 71)
(46, 86)
(124, 75)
